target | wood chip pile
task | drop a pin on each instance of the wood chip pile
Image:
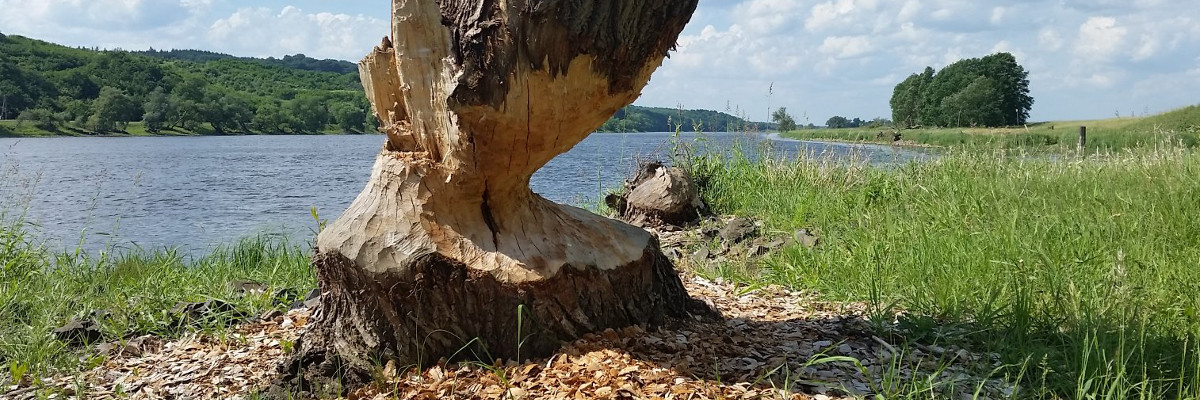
(772, 344)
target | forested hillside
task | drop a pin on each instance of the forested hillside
(59, 89)
(657, 119)
(87, 91)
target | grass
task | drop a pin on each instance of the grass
(1080, 272)
(1180, 127)
(40, 291)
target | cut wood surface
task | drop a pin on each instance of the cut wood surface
(447, 251)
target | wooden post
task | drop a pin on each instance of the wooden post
(1082, 137)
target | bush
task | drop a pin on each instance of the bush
(42, 118)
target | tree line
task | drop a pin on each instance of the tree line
(56, 87)
(658, 119)
(989, 91)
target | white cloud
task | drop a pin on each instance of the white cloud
(998, 15)
(845, 46)
(839, 13)
(263, 32)
(1147, 48)
(1099, 38)
(1050, 40)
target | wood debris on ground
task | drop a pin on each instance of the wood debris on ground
(773, 343)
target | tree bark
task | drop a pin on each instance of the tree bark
(447, 252)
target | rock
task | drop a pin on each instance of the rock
(271, 315)
(310, 301)
(243, 288)
(78, 332)
(285, 296)
(737, 230)
(807, 239)
(659, 196)
(135, 347)
(701, 254)
(758, 250)
(194, 312)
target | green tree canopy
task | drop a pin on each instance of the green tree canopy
(784, 120)
(988, 91)
(112, 110)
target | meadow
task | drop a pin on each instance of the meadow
(1079, 271)
(1175, 128)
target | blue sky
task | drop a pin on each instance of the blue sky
(819, 58)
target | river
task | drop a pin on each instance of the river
(194, 193)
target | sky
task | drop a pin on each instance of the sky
(1086, 59)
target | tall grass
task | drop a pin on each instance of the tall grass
(1083, 270)
(41, 290)
(1178, 128)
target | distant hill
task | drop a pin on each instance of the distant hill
(298, 61)
(658, 119)
(60, 89)
(64, 89)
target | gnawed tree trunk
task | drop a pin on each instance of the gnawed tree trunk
(447, 242)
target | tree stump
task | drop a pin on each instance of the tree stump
(659, 197)
(447, 252)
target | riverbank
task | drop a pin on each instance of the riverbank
(1068, 277)
(1175, 128)
(15, 129)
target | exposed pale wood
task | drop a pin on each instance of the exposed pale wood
(447, 240)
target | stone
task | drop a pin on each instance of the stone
(310, 301)
(78, 332)
(194, 312)
(737, 230)
(243, 288)
(659, 196)
(807, 238)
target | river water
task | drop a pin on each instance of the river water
(194, 193)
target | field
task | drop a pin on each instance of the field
(1079, 272)
(1178, 127)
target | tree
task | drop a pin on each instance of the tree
(272, 118)
(783, 119)
(978, 104)
(157, 110)
(226, 111)
(447, 248)
(42, 118)
(939, 99)
(112, 110)
(187, 99)
(835, 122)
(310, 113)
(350, 118)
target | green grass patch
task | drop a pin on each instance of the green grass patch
(1175, 128)
(1083, 271)
(41, 290)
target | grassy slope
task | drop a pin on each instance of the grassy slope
(1178, 126)
(40, 291)
(1083, 271)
